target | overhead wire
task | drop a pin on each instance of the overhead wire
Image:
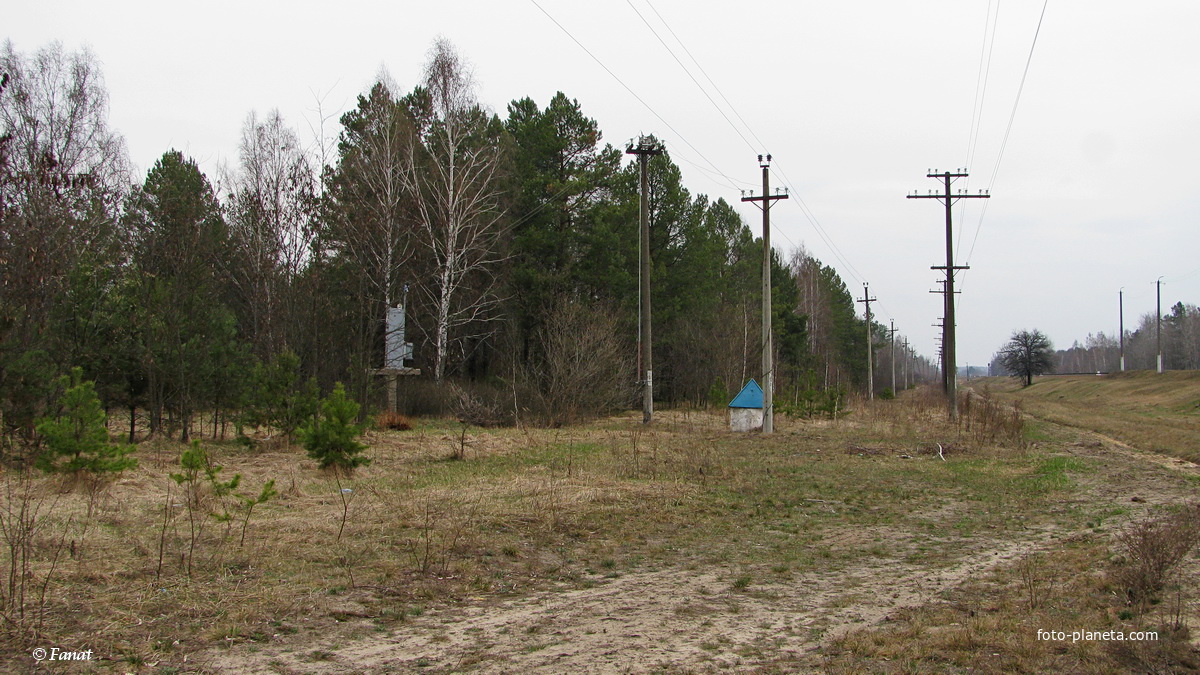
(706, 76)
(982, 77)
(1008, 130)
(675, 154)
(804, 208)
(812, 219)
(633, 93)
(692, 77)
(801, 204)
(848, 267)
(981, 80)
(1185, 277)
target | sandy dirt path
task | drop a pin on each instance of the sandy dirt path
(659, 621)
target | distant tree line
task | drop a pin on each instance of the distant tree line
(1101, 352)
(513, 241)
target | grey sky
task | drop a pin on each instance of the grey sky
(855, 100)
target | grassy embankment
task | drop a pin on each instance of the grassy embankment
(1149, 411)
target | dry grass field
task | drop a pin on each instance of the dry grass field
(1152, 412)
(889, 540)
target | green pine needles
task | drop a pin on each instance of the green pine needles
(278, 396)
(76, 438)
(330, 436)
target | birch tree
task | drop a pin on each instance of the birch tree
(371, 186)
(271, 221)
(371, 228)
(454, 174)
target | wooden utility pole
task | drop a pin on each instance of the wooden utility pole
(941, 353)
(1121, 305)
(892, 335)
(768, 366)
(1158, 320)
(907, 365)
(645, 149)
(951, 367)
(867, 300)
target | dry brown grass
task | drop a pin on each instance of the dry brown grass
(393, 421)
(1149, 411)
(422, 526)
(990, 625)
(984, 424)
(445, 512)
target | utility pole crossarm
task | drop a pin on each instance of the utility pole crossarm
(782, 195)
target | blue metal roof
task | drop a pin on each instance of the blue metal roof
(751, 396)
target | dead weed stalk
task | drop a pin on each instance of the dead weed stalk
(1153, 548)
(25, 526)
(442, 523)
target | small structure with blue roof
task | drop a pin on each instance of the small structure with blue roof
(746, 409)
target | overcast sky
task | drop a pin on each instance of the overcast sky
(1096, 188)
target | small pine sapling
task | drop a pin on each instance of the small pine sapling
(330, 437)
(198, 471)
(248, 504)
(76, 439)
(193, 461)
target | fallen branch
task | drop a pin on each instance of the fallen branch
(940, 452)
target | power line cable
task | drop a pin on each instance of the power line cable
(982, 78)
(632, 92)
(1008, 131)
(800, 201)
(676, 154)
(804, 208)
(692, 77)
(706, 76)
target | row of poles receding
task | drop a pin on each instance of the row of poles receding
(647, 148)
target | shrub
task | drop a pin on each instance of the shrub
(392, 420)
(1154, 547)
(76, 439)
(330, 436)
(580, 367)
(480, 406)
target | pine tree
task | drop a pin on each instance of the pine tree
(330, 437)
(76, 439)
(278, 397)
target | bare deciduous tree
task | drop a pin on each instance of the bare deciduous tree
(270, 215)
(373, 183)
(63, 173)
(1027, 353)
(454, 175)
(370, 234)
